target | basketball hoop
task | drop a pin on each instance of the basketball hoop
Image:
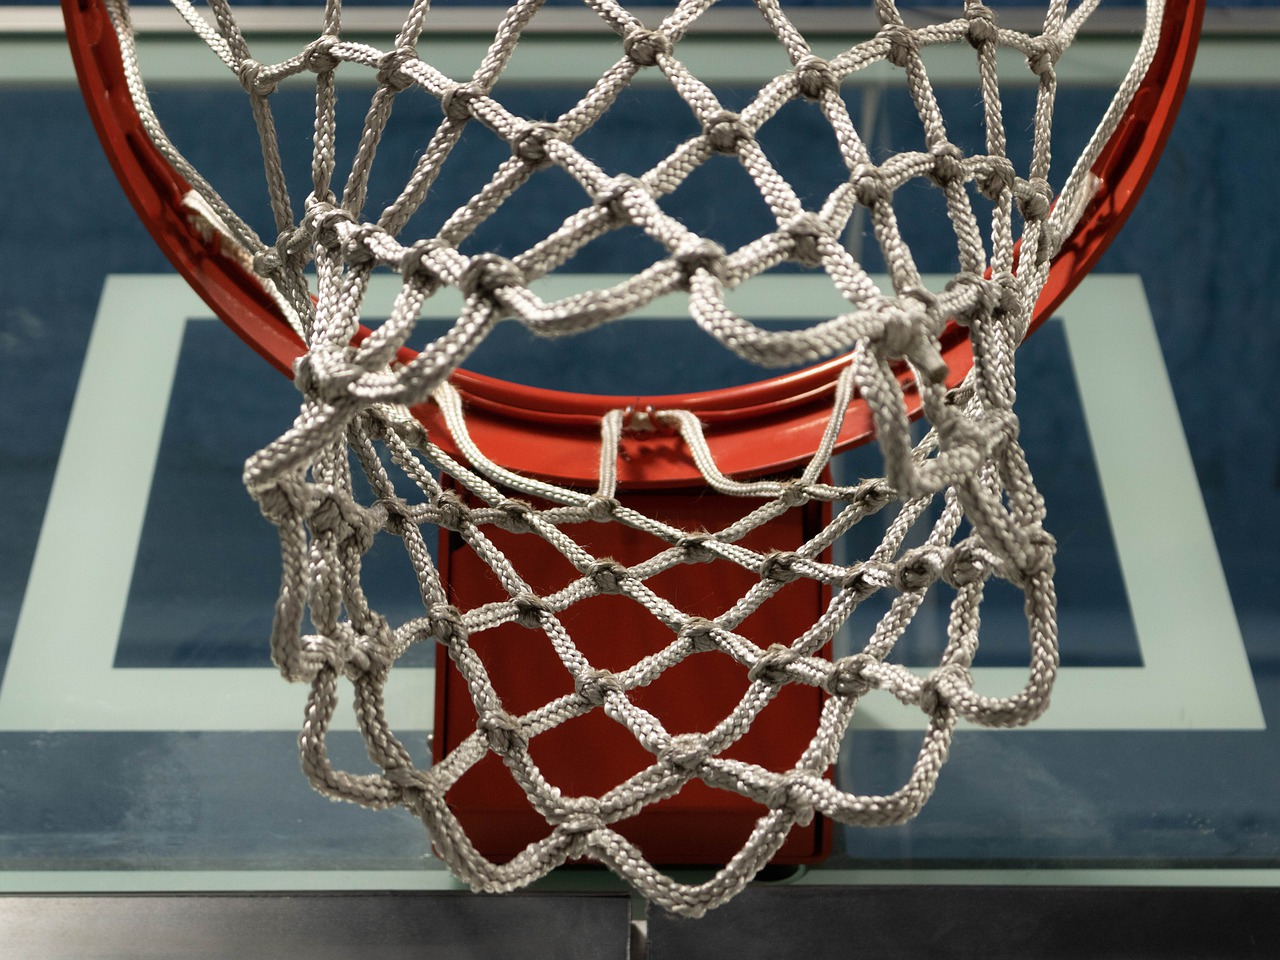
(576, 520)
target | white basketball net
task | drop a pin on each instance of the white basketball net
(966, 484)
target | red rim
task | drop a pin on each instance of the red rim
(754, 429)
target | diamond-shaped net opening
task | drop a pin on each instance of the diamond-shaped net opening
(956, 506)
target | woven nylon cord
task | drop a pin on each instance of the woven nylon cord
(959, 506)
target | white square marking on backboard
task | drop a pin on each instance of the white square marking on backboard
(61, 674)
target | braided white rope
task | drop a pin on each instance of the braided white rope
(964, 493)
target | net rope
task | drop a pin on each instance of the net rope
(960, 507)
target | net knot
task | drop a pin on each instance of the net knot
(695, 549)
(806, 233)
(530, 609)
(456, 101)
(357, 248)
(850, 676)
(250, 74)
(699, 633)
(614, 196)
(530, 143)
(319, 56)
(941, 687)
(391, 69)
(1034, 197)
(686, 752)
(1043, 56)
(451, 512)
(333, 512)
(321, 652)
(644, 47)
(794, 492)
(267, 262)
(323, 219)
(790, 795)
(780, 567)
(1008, 294)
(904, 45)
(594, 685)
(917, 570)
(870, 186)
(415, 264)
(579, 823)
(607, 575)
(488, 273)
(874, 495)
(326, 379)
(447, 627)
(513, 515)
(948, 164)
(965, 565)
(601, 509)
(771, 668)
(960, 433)
(725, 130)
(982, 26)
(578, 826)
(863, 581)
(1033, 559)
(503, 733)
(701, 254)
(983, 292)
(284, 500)
(995, 177)
(898, 335)
(814, 77)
